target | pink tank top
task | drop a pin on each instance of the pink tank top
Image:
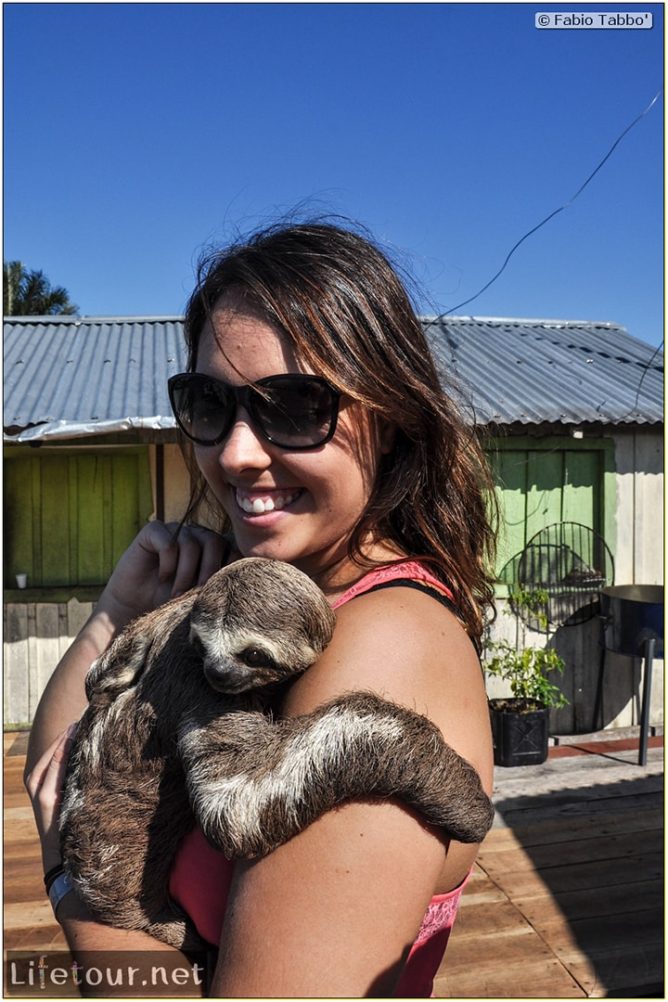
(201, 876)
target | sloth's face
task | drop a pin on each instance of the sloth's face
(258, 622)
(236, 661)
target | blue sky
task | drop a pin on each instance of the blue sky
(138, 134)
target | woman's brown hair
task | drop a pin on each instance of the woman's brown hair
(338, 300)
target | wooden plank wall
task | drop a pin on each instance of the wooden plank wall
(70, 514)
(639, 464)
(177, 482)
(36, 635)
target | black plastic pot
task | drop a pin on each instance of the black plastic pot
(519, 738)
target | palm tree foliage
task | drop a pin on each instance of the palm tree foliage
(29, 293)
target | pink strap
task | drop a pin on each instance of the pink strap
(424, 960)
(413, 570)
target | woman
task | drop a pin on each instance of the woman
(363, 477)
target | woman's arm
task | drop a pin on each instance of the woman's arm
(124, 952)
(157, 566)
(334, 911)
(128, 959)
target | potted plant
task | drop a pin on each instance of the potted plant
(520, 722)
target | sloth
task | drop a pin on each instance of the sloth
(179, 732)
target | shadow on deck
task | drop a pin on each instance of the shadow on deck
(566, 900)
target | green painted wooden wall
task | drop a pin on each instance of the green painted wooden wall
(541, 481)
(69, 516)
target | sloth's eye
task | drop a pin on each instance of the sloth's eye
(254, 657)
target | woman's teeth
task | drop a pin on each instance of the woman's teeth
(260, 505)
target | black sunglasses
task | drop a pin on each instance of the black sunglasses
(290, 411)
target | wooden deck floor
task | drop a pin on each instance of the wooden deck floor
(566, 900)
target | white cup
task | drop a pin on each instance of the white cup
(22, 580)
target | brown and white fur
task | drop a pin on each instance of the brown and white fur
(179, 732)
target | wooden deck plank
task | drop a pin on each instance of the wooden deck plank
(35, 938)
(620, 968)
(576, 786)
(601, 934)
(587, 902)
(497, 965)
(14, 801)
(21, 813)
(16, 742)
(580, 858)
(539, 857)
(26, 914)
(503, 920)
(528, 978)
(567, 829)
(523, 815)
(588, 874)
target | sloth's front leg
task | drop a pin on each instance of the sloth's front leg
(254, 783)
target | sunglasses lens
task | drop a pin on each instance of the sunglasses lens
(295, 413)
(202, 407)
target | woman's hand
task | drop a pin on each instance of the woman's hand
(161, 563)
(45, 787)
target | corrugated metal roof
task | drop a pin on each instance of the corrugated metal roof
(563, 372)
(68, 377)
(73, 377)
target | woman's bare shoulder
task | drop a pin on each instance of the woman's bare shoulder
(407, 647)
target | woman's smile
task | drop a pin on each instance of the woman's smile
(262, 501)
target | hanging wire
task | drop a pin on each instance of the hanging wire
(647, 367)
(556, 211)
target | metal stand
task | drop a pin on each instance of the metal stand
(648, 658)
(646, 699)
(598, 703)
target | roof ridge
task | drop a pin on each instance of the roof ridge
(526, 321)
(76, 318)
(61, 318)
